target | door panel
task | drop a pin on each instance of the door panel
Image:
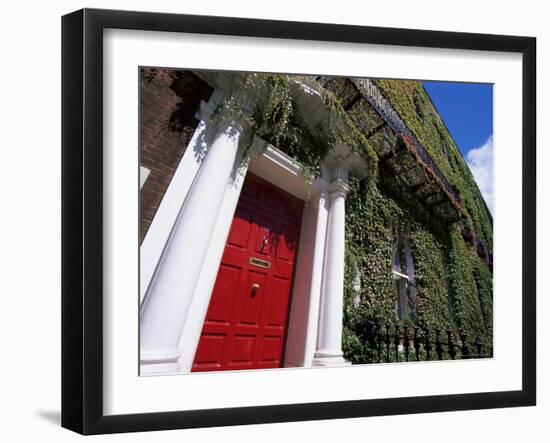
(251, 306)
(276, 312)
(240, 230)
(247, 317)
(210, 353)
(224, 294)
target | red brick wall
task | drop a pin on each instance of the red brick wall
(168, 102)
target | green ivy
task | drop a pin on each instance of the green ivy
(275, 118)
(429, 266)
(462, 288)
(484, 283)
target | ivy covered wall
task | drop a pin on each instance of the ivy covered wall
(453, 283)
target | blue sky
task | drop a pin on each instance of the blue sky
(467, 110)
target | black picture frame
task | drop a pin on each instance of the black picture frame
(82, 219)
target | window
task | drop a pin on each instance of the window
(143, 174)
(403, 275)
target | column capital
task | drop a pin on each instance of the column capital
(228, 108)
(338, 188)
(335, 167)
(340, 161)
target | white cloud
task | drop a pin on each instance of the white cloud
(480, 161)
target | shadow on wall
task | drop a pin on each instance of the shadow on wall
(53, 417)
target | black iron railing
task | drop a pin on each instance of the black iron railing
(384, 108)
(389, 342)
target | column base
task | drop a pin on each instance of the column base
(330, 360)
(159, 363)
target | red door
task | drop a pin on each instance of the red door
(246, 321)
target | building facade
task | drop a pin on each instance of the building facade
(281, 215)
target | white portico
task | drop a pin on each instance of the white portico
(182, 252)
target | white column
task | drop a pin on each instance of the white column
(304, 312)
(329, 339)
(158, 233)
(198, 309)
(170, 294)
